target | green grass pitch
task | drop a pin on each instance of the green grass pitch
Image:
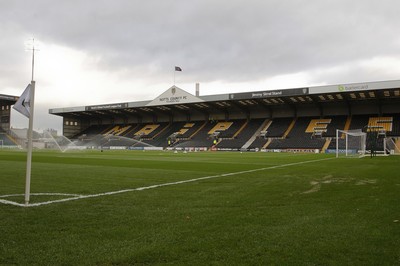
(311, 210)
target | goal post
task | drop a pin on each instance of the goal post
(350, 143)
(393, 145)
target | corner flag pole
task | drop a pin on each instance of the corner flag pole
(30, 145)
(30, 131)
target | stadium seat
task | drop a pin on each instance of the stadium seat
(117, 130)
(147, 130)
(380, 123)
(220, 126)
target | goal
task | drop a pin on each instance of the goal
(350, 143)
(393, 145)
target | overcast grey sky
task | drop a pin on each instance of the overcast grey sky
(95, 52)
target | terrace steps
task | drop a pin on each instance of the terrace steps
(326, 145)
(268, 142)
(289, 128)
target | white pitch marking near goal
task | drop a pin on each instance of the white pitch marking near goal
(77, 197)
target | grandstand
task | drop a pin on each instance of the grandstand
(7, 139)
(300, 119)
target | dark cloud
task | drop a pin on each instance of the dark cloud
(215, 40)
(231, 41)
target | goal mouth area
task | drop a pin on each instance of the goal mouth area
(357, 143)
(350, 143)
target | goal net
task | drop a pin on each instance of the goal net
(393, 145)
(350, 143)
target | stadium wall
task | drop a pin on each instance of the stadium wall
(360, 108)
(391, 108)
(308, 110)
(331, 109)
(261, 114)
(283, 111)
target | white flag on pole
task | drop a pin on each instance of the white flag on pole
(23, 105)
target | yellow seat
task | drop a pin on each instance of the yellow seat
(220, 126)
(380, 123)
(147, 129)
(117, 130)
(318, 124)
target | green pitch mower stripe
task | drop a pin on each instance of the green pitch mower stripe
(77, 197)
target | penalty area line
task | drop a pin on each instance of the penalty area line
(78, 197)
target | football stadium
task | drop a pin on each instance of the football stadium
(294, 120)
(300, 176)
(300, 119)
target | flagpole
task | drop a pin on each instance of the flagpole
(33, 57)
(30, 131)
(176, 69)
(30, 145)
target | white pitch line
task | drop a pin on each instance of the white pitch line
(40, 194)
(153, 186)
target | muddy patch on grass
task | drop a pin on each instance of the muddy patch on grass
(366, 182)
(316, 186)
(329, 179)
